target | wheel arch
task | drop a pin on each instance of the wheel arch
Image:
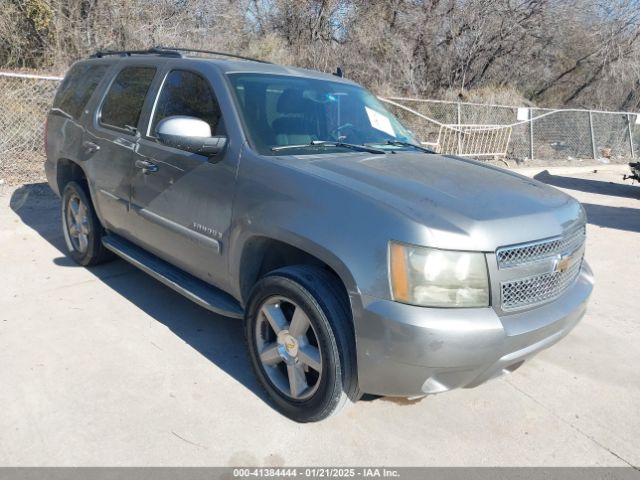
(68, 170)
(262, 254)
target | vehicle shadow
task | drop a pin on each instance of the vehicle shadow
(620, 218)
(219, 339)
(589, 185)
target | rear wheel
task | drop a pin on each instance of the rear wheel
(300, 337)
(82, 230)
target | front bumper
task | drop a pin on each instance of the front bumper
(404, 350)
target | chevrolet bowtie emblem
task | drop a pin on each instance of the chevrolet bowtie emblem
(562, 263)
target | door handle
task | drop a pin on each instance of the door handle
(90, 147)
(146, 166)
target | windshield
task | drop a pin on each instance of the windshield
(280, 110)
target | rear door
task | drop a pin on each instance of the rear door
(183, 204)
(110, 141)
(65, 122)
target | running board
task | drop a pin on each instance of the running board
(202, 293)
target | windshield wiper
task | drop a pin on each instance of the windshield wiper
(402, 144)
(327, 143)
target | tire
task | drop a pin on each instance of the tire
(320, 357)
(82, 230)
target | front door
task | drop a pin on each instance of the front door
(182, 201)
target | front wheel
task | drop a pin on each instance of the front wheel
(300, 338)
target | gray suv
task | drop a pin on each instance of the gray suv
(359, 261)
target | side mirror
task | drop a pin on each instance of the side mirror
(190, 134)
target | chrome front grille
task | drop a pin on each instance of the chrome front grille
(537, 289)
(555, 261)
(522, 254)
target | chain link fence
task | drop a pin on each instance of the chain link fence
(24, 102)
(539, 134)
(543, 135)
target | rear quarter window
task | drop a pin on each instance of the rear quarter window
(76, 88)
(122, 105)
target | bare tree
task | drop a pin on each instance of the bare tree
(557, 52)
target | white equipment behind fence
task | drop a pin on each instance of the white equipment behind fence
(473, 140)
(519, 133)
(459, 128)
(465, 140)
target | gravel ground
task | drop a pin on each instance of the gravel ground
(21, 170)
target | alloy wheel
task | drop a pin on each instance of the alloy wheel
(288, 348)
(77, 220)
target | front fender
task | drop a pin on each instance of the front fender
(346, 230)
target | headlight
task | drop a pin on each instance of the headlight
(438, 278)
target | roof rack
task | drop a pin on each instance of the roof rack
(210, 52)
(127, 53)
(170, 52)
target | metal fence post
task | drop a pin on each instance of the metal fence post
(459, 131)
(593, 139)
(531, 133)
(633, 153)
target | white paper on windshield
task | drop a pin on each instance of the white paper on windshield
(380, 121)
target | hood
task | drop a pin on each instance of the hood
(461, 203)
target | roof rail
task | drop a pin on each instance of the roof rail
(210, 52)
(170, 52)
(165, 52)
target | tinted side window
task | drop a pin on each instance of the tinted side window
(77, 87)
(123, 103)
(187, 93)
